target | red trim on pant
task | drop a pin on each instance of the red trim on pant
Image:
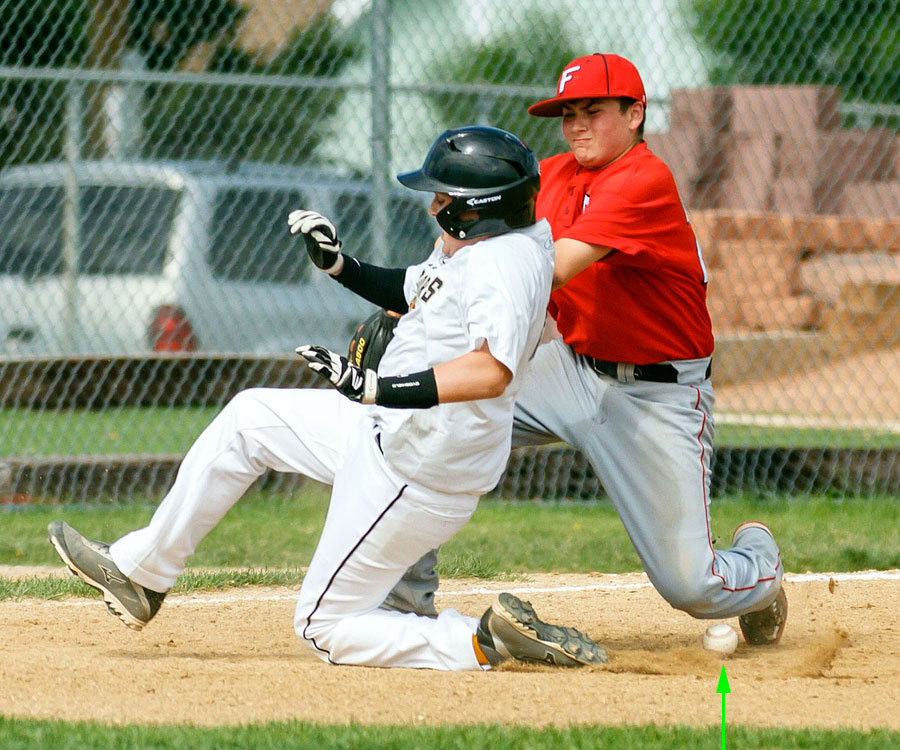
(705, 498)
(706, 511)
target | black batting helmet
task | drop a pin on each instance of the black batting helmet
(482, 169)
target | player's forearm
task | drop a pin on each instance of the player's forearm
(381, 286)
(572, 257)
(473, 376)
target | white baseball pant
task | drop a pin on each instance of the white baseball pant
(378, 524)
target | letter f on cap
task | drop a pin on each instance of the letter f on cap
(566, 77)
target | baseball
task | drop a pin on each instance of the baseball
(720, 637)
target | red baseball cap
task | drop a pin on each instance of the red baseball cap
(594, 76)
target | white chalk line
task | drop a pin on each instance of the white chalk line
(867, 575)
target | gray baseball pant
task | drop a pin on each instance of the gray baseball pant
(651, 446)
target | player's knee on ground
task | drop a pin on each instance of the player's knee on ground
(694, 596)
(701, 596)
(315, 634)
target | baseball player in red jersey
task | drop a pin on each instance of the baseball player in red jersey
(627, 382)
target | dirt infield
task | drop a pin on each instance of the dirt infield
(232, 658)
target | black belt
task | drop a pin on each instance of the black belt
(656, 373)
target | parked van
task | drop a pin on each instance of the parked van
(183, 257)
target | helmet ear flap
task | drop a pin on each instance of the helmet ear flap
(448, 219)
(513, 209)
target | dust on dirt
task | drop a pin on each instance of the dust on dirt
(232, 658)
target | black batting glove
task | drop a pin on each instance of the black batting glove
(354, 382)
(321, 238)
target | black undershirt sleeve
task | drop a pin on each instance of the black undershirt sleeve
(381, 286)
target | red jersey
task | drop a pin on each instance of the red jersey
(645, 302)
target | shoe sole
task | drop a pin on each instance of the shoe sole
(782, 597)
(113, 605)
(569, 644)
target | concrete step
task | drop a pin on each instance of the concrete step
(740, 269)
(743, 356)
(798, 312)
(812, 233)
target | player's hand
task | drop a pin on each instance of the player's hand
(322, 242)
(354, 382)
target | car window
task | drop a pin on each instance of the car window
(411, 231)
(415, 232)
(250, 238)
(125, 230)
(250, 241)
(31, 231)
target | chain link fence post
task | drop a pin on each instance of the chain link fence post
(381, 129)
(71, 211)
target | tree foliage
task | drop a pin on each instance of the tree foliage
(181, 121)
(49, 33)
(32, 34)
(164, 31)
(55, 33)
(248, 122)
(528, 54)
(852, 44)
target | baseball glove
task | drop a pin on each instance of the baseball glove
(371, 339)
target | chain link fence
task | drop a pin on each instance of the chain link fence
(151, 150)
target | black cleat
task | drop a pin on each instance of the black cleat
(510, 629)
(765, 626)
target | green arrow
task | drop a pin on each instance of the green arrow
(723, 688)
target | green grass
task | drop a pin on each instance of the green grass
(270, 536)
(742, 436)
(192, 580)
(25, 432)
(816, 534)
(15, 734)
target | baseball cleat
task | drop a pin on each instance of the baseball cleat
(510, 629)
(91, 562)
(765, 626)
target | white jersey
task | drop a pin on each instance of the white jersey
(493, 291)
